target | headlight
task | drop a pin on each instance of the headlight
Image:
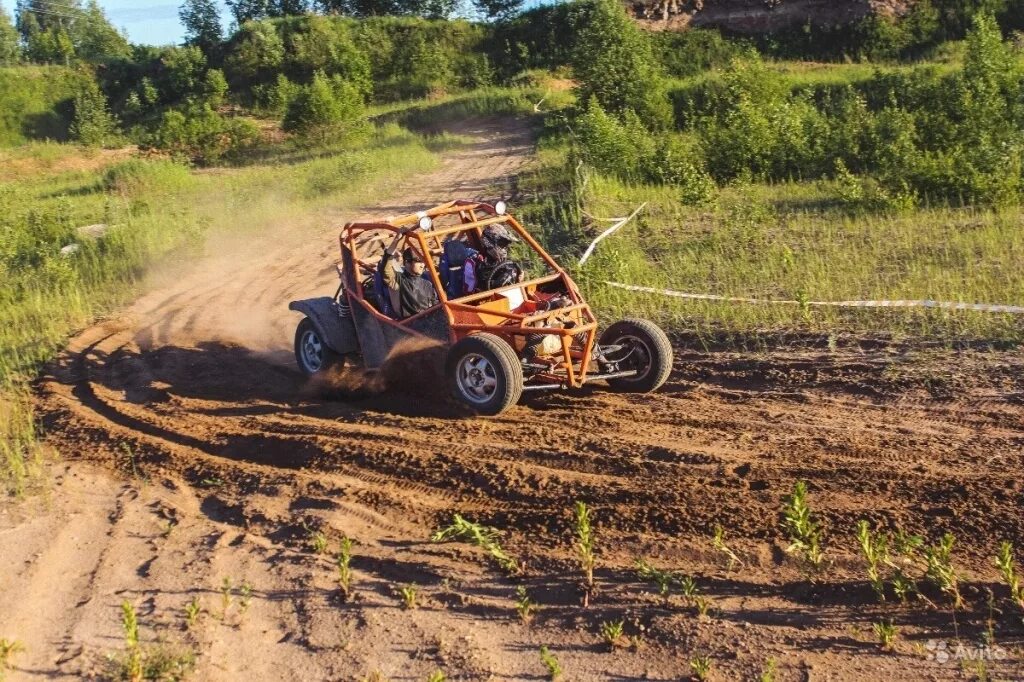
(500, 208)
(425, 222)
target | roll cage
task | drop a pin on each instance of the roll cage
(517, 312)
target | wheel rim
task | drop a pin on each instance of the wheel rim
(312, 351)
(638, 355)
(476, 378)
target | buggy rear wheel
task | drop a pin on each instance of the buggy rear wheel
(311, 353)
(644, 348)
(485, 374)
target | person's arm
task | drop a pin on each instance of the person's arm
(387, 272)
(469, 276)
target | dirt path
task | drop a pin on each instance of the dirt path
(227, 464)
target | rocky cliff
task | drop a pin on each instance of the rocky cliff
(758, 16)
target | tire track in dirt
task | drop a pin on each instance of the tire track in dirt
(197, 380)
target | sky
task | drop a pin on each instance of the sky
(153, 22)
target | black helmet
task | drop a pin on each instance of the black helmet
(496, 239)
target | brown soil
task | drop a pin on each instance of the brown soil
(194, 452)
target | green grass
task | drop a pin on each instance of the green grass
(795, 241)
(156, 210)
(788, 241)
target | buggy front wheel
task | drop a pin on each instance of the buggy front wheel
(641, 346)
(485, 374)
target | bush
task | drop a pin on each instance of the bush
(93, 124)
(326, 108)
(627, 150)
(688, 53)
(200, 134)
(611, 146)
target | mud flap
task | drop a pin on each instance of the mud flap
(339, 333)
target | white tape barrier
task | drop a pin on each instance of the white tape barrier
(945, 305)
(609, 231)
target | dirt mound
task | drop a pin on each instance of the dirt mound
(250, 463)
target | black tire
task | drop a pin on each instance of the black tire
(650, 354)
(311, 352)
(484, 373)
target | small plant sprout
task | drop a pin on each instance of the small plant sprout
(408, 595)
(874, 547)
(688, 587)
(8, 648)
(941, 572)
(770, 668)
(611, 632)
(481, 536)
(524, 605)
(585, 549)
(551, 663)
(244, 596)
(703, 605)
(732, 559)
(436, 676)
(885, 632)
(129, 455)
(344, 571)
(701, 667)
(804, 531)
(1007, 567)
(133, 659)
(192, 611)
(317, 542)
(226, 589)
(663, 579)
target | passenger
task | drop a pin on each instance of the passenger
(480, 269)
(411, 292)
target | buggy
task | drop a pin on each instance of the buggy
(525, 328)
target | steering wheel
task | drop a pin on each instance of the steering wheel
(505, 273)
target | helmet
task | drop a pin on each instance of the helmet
(496, 239)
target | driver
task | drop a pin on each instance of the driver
(411, 292)
(492, 268)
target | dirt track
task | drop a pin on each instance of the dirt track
(192, 397)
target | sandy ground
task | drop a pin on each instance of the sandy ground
(194, 453)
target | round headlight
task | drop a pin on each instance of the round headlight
(500, 208)
(425, 222)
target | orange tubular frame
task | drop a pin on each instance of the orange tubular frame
(570, 370)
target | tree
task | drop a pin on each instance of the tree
(93, 125)
(183, 71)
(250, 10)
(614, 63)
(96, 40)
(10, 50)
(287, 8)
(498, 9)
(59, 31)
(201, 19)
(256, 54)
(254, 10)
